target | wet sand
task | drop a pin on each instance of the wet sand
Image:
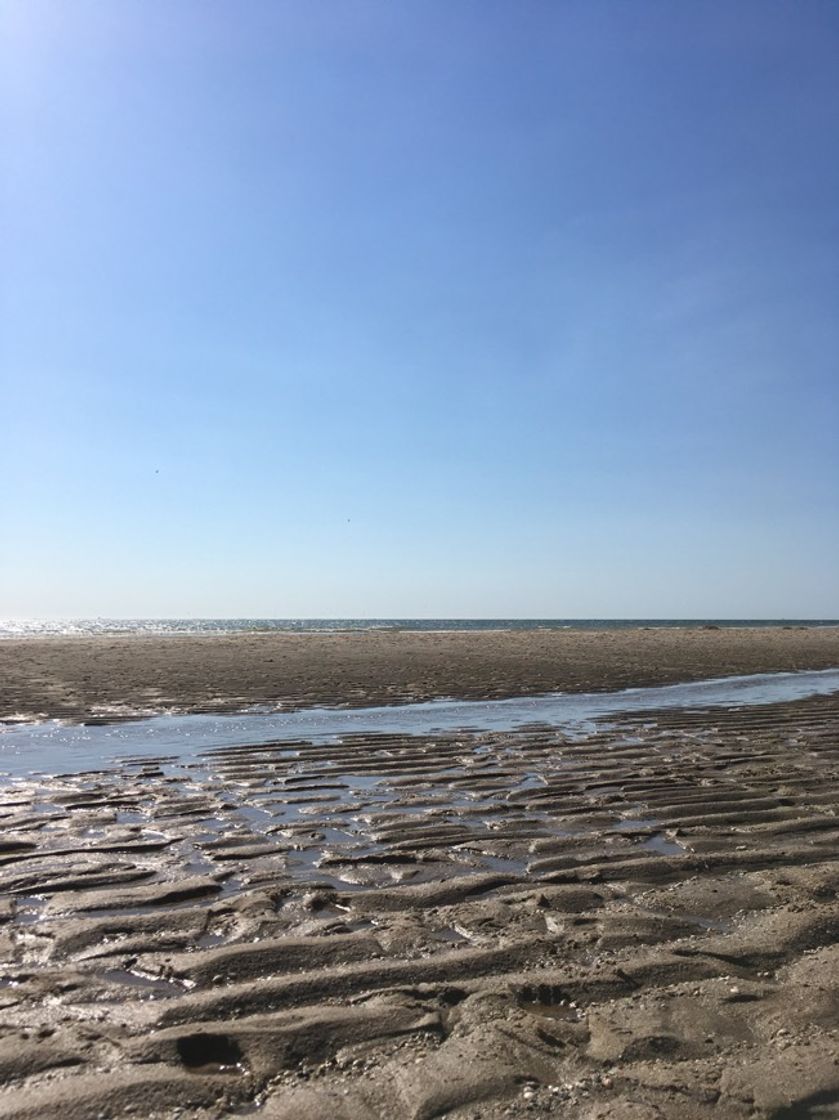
(73, 678)
(637, 925)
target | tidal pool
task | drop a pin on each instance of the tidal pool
(53, 747)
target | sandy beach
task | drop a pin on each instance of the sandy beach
(419, 637)
(640, 924)
(74, 678)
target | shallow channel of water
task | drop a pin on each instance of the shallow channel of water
(56, 748)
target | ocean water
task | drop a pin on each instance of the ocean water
(57, 748)
(86, 627)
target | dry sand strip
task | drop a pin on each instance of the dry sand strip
(640, 925)
(76, 678)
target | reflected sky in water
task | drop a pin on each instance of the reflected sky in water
(56, 748)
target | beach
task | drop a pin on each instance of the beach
(634, 923)
(74, 678)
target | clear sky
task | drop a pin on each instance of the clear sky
(442, 308)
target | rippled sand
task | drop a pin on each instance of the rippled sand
(640, 924)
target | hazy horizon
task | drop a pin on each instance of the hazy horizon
(7, 625)
(362, 310)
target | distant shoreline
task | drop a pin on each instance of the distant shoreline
(195, 627)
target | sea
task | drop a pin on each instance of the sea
(87, 627)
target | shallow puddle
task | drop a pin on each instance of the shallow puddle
(663, 846)
(151, 986)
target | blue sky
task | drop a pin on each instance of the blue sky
(400, 309)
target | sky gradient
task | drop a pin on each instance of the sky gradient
(419, 309)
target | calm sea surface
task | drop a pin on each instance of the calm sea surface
(19, 628)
